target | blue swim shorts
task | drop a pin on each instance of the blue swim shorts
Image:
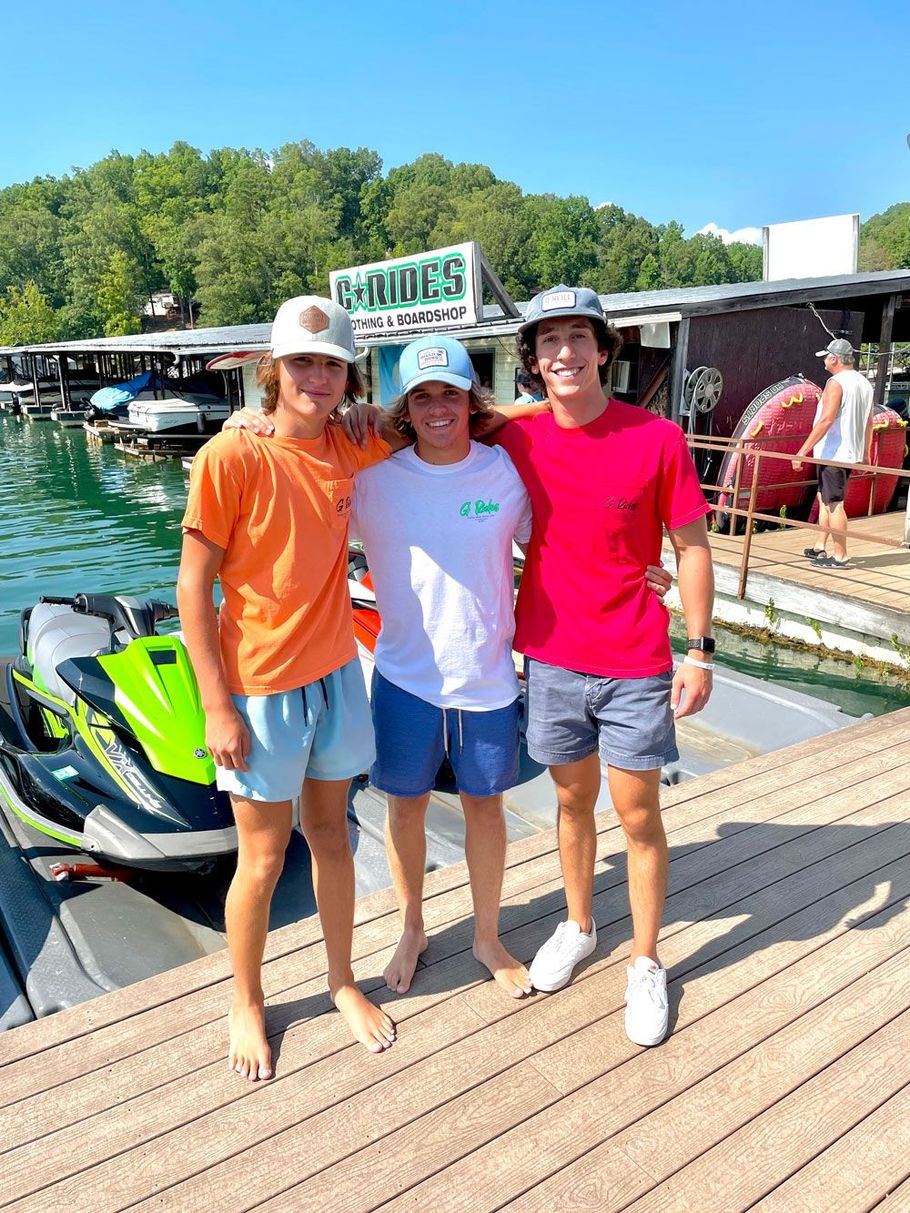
(571, 715)
(413, 737)
(320, 731)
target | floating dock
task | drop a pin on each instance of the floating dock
(784, 1085)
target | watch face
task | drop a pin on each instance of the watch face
(705, 643)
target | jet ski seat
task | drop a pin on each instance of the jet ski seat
(56, 633)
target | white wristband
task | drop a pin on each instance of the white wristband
(702, 665)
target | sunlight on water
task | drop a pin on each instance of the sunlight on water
(78, 517)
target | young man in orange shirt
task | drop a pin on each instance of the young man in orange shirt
(281, 685)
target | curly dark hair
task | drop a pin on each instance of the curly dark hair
(267, 378)
(608, 338)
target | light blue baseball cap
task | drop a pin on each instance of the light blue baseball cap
(435, 360)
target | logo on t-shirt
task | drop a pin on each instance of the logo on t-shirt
(479, 508)
(432, 357)
(620, 503)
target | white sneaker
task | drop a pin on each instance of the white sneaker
(646, 1002)
(551, 968)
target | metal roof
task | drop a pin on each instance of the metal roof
(695, 300)
(637, 307)
(181, 343)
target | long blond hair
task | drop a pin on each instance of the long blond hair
(267, 378)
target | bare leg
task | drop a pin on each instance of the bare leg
(824, 521)
(324, 818)
(263, 830)
(837, 517)
(636, 798)
(406, 848)
(485, 851)
(577, 788)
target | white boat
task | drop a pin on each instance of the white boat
(15, 390)
(170, 412)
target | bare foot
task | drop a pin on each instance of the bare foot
(507, 971)
(370, 1025)
(249, 1054)
(399, 972)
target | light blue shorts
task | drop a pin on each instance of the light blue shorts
(413, 737)
(320, 731)
(571, 715)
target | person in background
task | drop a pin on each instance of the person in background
(526, 393)
(842, 433)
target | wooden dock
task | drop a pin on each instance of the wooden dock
(784, 1086)
(879, 575)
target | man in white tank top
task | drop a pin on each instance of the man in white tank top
(842, 433)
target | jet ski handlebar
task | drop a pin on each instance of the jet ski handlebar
(137, 616)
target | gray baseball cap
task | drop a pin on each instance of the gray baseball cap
(312, 325)
(838, 347)
(563, 301)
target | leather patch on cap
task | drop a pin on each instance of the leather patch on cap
(314, 319)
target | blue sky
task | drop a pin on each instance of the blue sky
(701, 112)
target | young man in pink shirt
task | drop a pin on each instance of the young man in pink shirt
(605, 478)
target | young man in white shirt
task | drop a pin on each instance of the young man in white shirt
(438, 520)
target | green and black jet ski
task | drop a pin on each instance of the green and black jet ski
(102, 736)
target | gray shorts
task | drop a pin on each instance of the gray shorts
(570, 715)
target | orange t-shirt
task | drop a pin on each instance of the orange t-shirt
(279, 507)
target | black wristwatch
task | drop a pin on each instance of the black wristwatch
(705, 643)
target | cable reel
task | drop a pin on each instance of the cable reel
(702, 389)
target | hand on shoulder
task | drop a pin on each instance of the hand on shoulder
(250, 419)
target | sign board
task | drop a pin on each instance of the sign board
(811, 248)
(423, 292)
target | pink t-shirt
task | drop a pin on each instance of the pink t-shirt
(601, 496)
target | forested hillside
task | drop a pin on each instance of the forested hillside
(238, 231)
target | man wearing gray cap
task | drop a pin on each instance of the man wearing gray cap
(605, 478)
(842, 433)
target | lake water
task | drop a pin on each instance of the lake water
(77, 517)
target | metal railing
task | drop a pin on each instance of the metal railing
(726, 498)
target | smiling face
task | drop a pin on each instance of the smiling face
(568, 360)
(440, 415)
(310, 387)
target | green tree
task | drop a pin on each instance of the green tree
(26, 317)
(885, 239)
(625, 244)
(563, 239)
(745, 262)
(119, 295)
(497, 219)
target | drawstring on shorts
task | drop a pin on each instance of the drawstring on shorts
(325, 697)
(445, 730)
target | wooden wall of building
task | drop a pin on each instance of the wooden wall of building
(756, 348)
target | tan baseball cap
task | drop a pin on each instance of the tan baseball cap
(312, 325)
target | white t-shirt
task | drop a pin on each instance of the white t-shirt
(843, 443)
(438, 540)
